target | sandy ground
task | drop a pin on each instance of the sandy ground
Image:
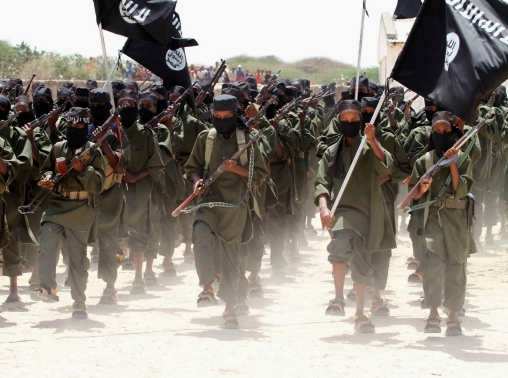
(286, 335)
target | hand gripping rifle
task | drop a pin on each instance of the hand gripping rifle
(8, 120)
(261, 96)
(236, 156)
(42, 119)
(211, 85)
(443, 162)
(283, 112)
(171, 109)
(65, 171)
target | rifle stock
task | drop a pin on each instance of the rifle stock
(211, 85)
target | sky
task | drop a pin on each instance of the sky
(291, 30)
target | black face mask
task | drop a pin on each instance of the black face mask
(4, 115)
(162, 105)
(499, 100)
(240, 112)
(442, 142)
(429, 114)
(145, 115)
(366, 118)
(77, 137)
(271, 111)
(41, 108)
(349, 129)
(128, 116)
(224, 126)
(208, 99)
(346, 95)
(116, 102)
(100, 114)
(81, 104)
(67, 107)
(25, 117)
(329, 101)
(281, 102)
(360, 96)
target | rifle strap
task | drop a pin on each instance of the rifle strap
(210, 139)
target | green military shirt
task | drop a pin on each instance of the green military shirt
(362, 207)
(228, 223)
(191, 128)
(481, 170)
(75, 214)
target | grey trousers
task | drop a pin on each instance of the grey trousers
(450, 278)
(277, 228)
(108, 258)
(50, 241)
(255, 247)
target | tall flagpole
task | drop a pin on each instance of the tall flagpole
(108, 79)
(105, 58)
(364, 10)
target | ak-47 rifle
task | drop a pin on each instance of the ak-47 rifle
(261, 96)
(282, 112)
(330, 88)
(395, 95)
(236, 156)
(443, 162)
(42, 119)
(171, 109)
(64, 171)
(29, 84)
(211, 85)
(8, 120)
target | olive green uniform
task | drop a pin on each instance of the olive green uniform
(362, 224)
(19, 230)
(228, 224)
(12, 163)
(113, 222)
(446, 236)
(145, 155)
(72, 219)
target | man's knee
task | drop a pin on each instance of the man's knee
(340, 248)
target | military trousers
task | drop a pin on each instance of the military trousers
(296, 228)
(444, 277)
(51, 237)
(347, 246)
(381, 259)
(108, 258)
(255, 247)
(479, 196)
(12, 256)
(277, 228)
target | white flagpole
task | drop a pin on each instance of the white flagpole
(105, 58)
(364, 10)
(108, 79)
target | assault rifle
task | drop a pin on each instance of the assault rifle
(29, 84)
(443, 162)
(42, 119)
(211, 85)
(261, 112)
(8, 120)
(171, 109)
(64, 171)
(282, 113)
(261, 96)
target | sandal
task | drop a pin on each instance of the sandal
(413, 265)
(336, 308)
(207, 299)
(44, 295)
(453, 327)
(169, 269)
(128, 264)
(363, 324)
(230, 320)
(150, 279)
(416, 277)
(34, 283)
(433, 324)
(108, 297)
(79, 311)
(378, 307)
(138, 287)
(216, 282)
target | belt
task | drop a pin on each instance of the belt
(450, 203)
(72, 195)
(301, 155)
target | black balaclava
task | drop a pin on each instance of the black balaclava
(64, 92)
(117, 85)
(6, 104)
(161, 90)
(42, 108)
(101, 113)
(25, 117)
(443, 142)
(429, 113)
(82, 92)
(271, 111)
(145, 114)
(132, 83)
(225, 126)
(76, 138)
(500, 97)
(128, 115)
(301, 82)
(370, 102)
(363, 80)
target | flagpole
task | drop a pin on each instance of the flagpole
(106, 68)
(108, 79)
(364, 10)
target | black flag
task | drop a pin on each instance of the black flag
(456, 53)
(407, 9)
(147, 20)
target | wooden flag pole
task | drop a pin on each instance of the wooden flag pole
(364, 10)
(106, 68)
(108, 79)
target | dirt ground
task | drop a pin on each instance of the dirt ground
(287, 333)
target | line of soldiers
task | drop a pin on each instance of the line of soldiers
(122, 196)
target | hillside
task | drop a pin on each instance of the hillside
(318, 70)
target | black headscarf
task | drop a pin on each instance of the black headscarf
(45, 93)
(336, 167)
